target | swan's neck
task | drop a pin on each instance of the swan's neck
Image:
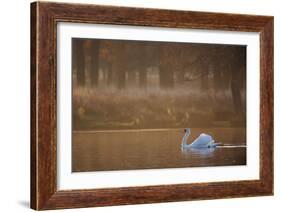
(184, 140)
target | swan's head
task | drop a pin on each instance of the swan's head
(187, 130)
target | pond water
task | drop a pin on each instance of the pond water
(150, 149)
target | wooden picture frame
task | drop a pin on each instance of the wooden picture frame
(44, 19)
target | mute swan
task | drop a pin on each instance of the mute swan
(203, 141)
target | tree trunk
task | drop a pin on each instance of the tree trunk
(121, 79)
(74, 60)
(166, 77)
(235, 90)
(204, 77)
(94, 70)
(132, 78)
(80, 61)
(109, 74)
(226, 77)
(217, 78)
(143, 77)
(120, 73)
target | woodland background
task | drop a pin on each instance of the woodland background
(148, 84)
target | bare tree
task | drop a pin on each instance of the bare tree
(78, 54)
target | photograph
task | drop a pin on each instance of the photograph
(157, 104)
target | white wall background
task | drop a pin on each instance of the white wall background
(15, 104)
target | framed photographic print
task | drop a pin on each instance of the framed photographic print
(136, 105)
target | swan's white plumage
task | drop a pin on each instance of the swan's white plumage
(203, 141)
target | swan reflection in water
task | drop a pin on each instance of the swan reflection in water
(198, 152)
